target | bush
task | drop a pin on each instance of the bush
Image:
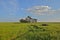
(23, 21)
(44, 24)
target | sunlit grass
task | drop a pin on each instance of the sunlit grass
(9, 30)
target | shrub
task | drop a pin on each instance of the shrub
(44, 24)
(23, 21)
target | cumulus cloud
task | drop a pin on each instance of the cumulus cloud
(42, 10)
(9, 6)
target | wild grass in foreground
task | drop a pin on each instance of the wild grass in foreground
(29, 31)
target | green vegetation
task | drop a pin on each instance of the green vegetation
(29, 31)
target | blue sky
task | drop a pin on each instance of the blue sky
(43, 10)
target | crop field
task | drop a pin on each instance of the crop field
(29, 31)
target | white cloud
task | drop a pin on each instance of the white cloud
(42, 10)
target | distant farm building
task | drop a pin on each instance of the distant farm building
(29, 20)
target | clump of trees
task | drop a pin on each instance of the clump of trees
(23, 21)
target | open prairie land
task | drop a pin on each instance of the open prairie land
(29, 31)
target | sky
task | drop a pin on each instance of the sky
(43, 10)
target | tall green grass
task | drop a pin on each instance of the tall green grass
(24, 31)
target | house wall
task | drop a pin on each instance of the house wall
(33, 20)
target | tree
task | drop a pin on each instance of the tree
(23, 21)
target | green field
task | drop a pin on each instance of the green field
(29, 31)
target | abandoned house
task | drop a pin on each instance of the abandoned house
(29, 19)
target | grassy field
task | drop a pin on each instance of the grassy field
(29, 31)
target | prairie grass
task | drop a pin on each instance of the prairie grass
(24, 31)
